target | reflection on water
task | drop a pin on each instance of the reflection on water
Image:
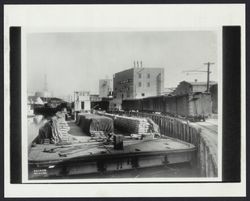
(34, 123)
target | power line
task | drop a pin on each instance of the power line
(203, 71)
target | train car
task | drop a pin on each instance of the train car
(153, 104)
(170, 105)
(132, 104)
(196, 106)
(200, 104)
(100, 105)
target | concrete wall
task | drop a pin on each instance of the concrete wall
(138, 83)
(148, 82)
(123, 86)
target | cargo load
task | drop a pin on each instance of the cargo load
(93, 124)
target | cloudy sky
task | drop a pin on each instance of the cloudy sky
(76, 61)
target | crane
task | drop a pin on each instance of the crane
(203, 71)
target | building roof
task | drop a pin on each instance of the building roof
(35, 100)
(200, 83)
(141, 68)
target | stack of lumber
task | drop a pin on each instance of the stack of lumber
(133, 124)
(54, 131)
(60, 129)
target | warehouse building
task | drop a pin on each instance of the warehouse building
(185, 87)
(137, 82)
(105, 88)
(81, 100)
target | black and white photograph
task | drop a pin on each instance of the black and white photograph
(108, 101)
(122, 104)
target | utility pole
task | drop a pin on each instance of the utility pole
(203, 71)
(208, 73)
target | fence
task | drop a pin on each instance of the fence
(178, 128)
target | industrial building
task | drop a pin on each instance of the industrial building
(137, 82)
(81, 100)
(185, 87)
(105, 88)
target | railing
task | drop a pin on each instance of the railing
(181, 129)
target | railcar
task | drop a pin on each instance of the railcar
(195, 106)
(153, 104)
(100, 105)
(132, 104)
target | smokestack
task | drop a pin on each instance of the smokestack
(137, 63)
(141, 64)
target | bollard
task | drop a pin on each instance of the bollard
(118, 142)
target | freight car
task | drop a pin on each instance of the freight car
(195, 106)
(132, 104)
(100, 105)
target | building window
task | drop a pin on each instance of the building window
(148, 75)
(139, 84)
(139, 75)
(142, 94)
(148, 84)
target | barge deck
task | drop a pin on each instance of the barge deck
(87, 155)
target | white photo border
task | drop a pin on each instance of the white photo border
(100, 17)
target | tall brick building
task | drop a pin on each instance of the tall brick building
(138, 82)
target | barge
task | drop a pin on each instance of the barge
(88, 154)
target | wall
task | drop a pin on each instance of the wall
(82, 96)
(105, 87)
(123, 86)
(155, 80)
(199, 88)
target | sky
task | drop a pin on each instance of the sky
(77, 60)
